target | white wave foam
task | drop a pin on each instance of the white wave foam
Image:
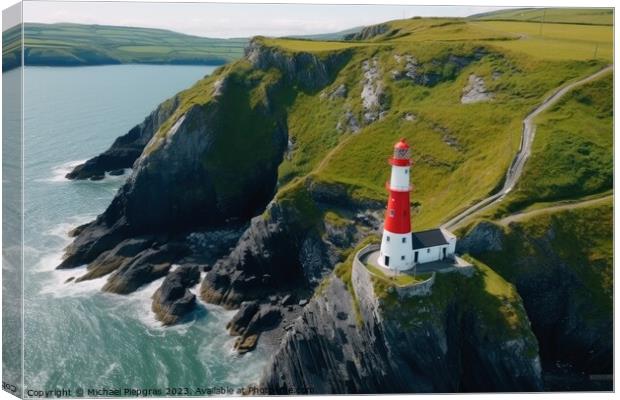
(59, 172)
(62, 230)
(57, 285)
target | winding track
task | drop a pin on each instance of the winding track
(558, 207)
(516, 167)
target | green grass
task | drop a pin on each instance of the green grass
(310, 45)
(458, 158)
(572, 153)
(485, 144)
(334, 219)
(582, 239)
(400, 279)
(594, 16)
(66, 44)
(555, 41)
(493, 301)
(453, 153)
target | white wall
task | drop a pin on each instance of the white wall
(399, 250)
(396, 249)
(430, 254)
(451, 239)
(399, 180)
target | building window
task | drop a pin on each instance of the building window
(404, 240)
(428, 250)
(402, 257)
(387, 238)
(406, 171)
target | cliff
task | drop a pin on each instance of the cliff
(561, 264)
(264, 176)
(127, 148)
(358, 336)
(209, 158)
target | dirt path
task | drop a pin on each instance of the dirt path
(559, 207)
(516, 168)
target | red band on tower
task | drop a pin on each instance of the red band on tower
(398, 213)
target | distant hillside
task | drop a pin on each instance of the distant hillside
(67, 44)
(340, 35)
(589, 16)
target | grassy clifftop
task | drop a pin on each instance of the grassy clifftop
(408, 81)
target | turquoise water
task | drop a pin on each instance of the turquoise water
(75, 335)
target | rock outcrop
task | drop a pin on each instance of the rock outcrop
(173, 300)
(267, 259)
(475, 91)
(306, 70)
(368, 32)
(373, 92)
(127, 148)
(147, 266)
(250, 322)
(435, 71)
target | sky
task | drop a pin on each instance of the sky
(233, 20)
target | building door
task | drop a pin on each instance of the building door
(387, 261)
(415, 257)
(444, 252)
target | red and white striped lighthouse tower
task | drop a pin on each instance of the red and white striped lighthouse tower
(396, 251)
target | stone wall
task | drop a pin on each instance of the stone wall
(362, 282)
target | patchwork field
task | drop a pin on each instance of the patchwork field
(74, 44)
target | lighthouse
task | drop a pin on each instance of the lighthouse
(396, 247)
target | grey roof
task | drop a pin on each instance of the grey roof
(429, 238)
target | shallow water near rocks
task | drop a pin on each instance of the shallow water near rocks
(75, 335)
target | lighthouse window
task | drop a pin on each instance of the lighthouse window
(391, 213)
(404, 240)
(428, 250)
(406, 171)
(387, 238)
(402, 257)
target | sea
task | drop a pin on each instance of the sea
(75, 336)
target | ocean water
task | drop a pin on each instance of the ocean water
(77, 337)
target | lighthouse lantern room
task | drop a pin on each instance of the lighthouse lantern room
(395, 250)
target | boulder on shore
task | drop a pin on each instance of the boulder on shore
(173, 300)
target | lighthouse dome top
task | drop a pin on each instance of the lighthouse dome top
(402, 153)
(401, 144)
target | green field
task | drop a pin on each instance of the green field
(74, 44)
(582, 238)
(458, 159)
(590, 16)
(572, 155)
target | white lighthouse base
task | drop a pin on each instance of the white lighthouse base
(396, 253)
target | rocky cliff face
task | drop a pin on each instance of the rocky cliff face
(268, 258)
(364, 342)
(127, 148)
(287, 248)
(212, 162)
(194, 173)
(562, 292)
(368, 32)
(306, 70)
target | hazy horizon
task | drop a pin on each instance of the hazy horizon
(233, 20)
